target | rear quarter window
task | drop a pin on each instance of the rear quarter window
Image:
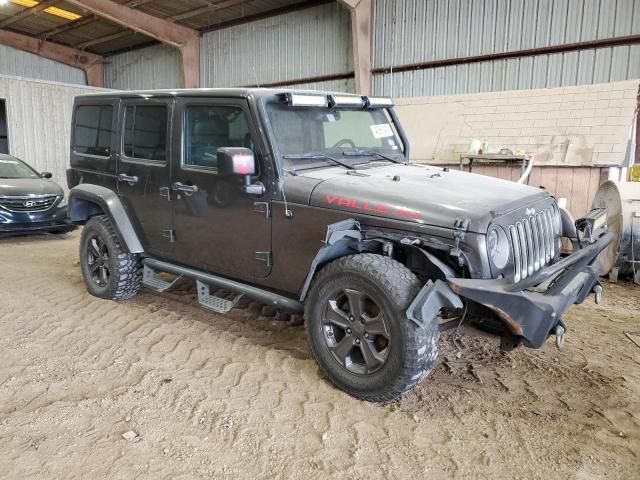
(93, 130)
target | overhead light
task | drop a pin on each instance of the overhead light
(346, 101)
(58, 12)
(379, 102)
(301, 100)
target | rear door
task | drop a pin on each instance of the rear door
(144, 170)
(219, 228)
(94, 141)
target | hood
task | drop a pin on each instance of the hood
(415, 193)
(19, 187)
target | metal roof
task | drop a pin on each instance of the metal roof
(97, 35)
(208, 92)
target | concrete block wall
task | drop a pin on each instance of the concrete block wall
(586, 125)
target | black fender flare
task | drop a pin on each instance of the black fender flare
(341, 237)
(83, 196)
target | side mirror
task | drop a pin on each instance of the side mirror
(239, 161)
(236, 161)
(46, 175)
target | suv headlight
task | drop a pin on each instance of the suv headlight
(63, 202)
(498, 247)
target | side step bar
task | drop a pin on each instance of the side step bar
(150, 280)
(250, 291)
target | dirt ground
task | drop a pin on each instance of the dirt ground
(238, 396)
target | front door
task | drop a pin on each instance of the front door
(144, 170)
(219, 228)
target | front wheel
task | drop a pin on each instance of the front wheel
(358, 330)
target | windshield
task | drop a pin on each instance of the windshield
(305, 136)
(11, 167)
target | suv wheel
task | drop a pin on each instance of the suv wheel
(358, 330)
(109, 271)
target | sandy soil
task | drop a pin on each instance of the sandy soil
(238, 396)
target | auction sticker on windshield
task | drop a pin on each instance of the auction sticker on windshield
(382, 130)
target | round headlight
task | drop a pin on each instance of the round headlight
(498, 247)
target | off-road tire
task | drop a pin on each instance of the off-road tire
(125, 268)
(413, 348)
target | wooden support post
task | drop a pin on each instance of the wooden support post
(361, 13)
(91, 64)
(184, 39)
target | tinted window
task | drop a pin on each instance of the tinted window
(93, 130)
(11, 167)
(208, 128)
(318, 130)
(145, 132)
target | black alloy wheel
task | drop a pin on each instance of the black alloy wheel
(356, 331)
(98, 259)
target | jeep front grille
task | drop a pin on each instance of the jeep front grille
(533, 243)
(27, 204)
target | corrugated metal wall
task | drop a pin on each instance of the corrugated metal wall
(153, 67)
(409, 31)
(297, 45)
(23, 64)
(347, 85)
(39, 121)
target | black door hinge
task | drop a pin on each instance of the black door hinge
(264, 257)
(169, 234)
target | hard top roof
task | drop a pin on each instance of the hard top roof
(205, 92)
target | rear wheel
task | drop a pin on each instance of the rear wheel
(109, 271)
(358, 330)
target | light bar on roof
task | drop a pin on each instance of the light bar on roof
(302, 100)
(346, 101)
(379, 102)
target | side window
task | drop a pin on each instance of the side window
(145, 132)
(208, 128)
(92, 133)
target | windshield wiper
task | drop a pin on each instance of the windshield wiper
(318, 156)
(369, 153)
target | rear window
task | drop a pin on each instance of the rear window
(145, 132)
(92, 133)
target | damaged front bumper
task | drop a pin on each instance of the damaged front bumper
(531, 308)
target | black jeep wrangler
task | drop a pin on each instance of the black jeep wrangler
(307, 201)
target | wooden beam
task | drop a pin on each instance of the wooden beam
(154, 27)
(88, 20)
(361, 12)
(173, 18)
(185, 39)
(27, 12)
(89, 62)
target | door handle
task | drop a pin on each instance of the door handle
(131, 180)
(186, 189)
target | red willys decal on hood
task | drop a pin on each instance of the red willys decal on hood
(372, 207)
